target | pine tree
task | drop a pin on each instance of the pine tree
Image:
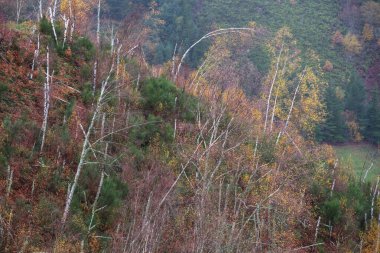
(373, 117)
(355, 99)
(334, 128)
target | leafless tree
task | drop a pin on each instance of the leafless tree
(46, 99)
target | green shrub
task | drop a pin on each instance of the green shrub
(145, 130)
(114, 191)
(45, 26)
(86, 93)
(3, 92)
(332, 211)
(85, 71)
(83, 47)
(162, 96)
(159, 95)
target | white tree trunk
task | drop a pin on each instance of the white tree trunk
(98, 26)
(9, 180)
(36, 55)
(53, 25)
(291, 107)
(209, 35)
(46, 100)
(271, 88)
(19, 4)
(66, 22)
(40, 9)
(85, 149)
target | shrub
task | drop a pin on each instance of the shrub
(86, 93)
(83, 47)
(3, 92)
(45, 26)
(113, 193)
(331, 210)
(159, 95)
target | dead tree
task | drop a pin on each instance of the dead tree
(271, 88)
(46, 100)
(86, 146)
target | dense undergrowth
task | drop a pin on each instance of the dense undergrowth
(185, 166)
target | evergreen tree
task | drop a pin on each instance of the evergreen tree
(355, 99)
(373, 117)
(334, 128)
(180, 28)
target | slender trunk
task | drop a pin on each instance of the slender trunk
(40, 9)
(18, 9)
(53, 25)
(271, 88)
(46, 100)
(66, 21)
(373, 197)
(208, 35)
(291, 107)
(54, 8)
(72, 18)
(95, 77)
(317, 229)
(9, 180)
(85, 149)
(93, 212)
(366, 172)
(173, 59)
(35, 58)
(274, 110)
(98, 26)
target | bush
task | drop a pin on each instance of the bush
(145, 130)
(86, 93)
(3, 92)
(162, 96)
(331, 210)
(85, 71)
(159, 95)
(45, 26)
(83, 47)
(113, 193)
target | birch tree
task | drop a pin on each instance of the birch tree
(85, 147)
(46, 99)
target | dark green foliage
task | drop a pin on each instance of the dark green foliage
(69, 108)
(119, 9)
(261, 58)
(159, 95)
(334, 129)
(83, 47)
(162, 97)
(143, 130)
(47, 214)
(45, 26)
(3, 92)
(343, 206)
(180, 28)
(85, 72)
(12, 131)
(113, 193)
(373, 117)
(267, 150)
(86, 93)
(356, 97)
(331, 210)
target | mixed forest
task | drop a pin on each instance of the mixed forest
(189, 125)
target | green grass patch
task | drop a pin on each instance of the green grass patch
(360, 157)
